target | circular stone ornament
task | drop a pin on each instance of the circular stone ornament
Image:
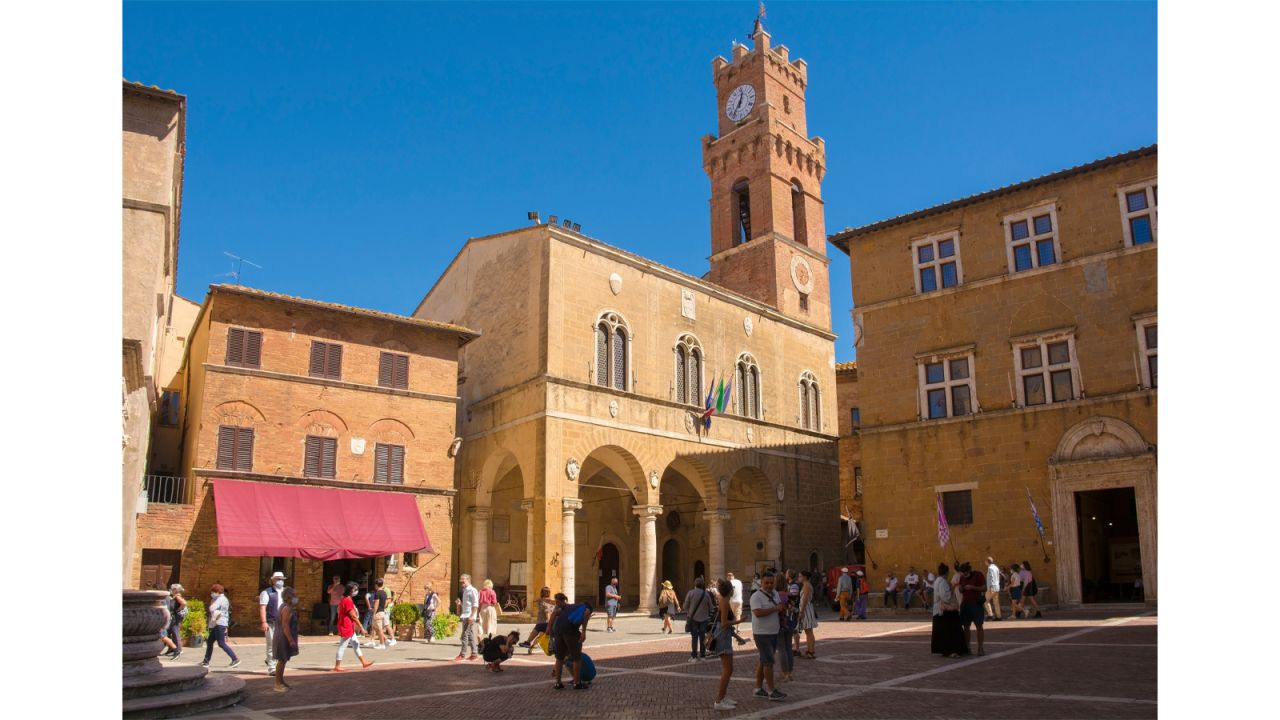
(801, 274)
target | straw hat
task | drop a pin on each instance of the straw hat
(666, 584)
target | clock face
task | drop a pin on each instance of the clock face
(741, 100)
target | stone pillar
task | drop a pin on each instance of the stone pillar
(773, 540)
(526, 506)
(715, 543)
(479, 544)
(648, 515)
(568, 547)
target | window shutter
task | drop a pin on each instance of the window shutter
(397, 464)
(244, 449)
(317, 359)
(253, 348)
(311, 459)
(380, 463)
(226, 448)
(329, 466)
(385, 371)
(402, 372)
(235, 346)
(333, 365)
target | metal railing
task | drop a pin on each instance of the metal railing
(167, 489)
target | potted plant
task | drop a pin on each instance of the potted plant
(446, 625)
(195, 625)
(404, 617)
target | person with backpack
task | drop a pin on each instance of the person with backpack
(498, 648)
(699, 603)
(1029, 590)
(568, 623)
(171, 636)
(766, 610)
(860, 596)
(430, 605)
(844, 593)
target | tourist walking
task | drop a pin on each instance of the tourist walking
(335, 590)
(844, 593)
(468, 605)
(381, 619)
(1029, 590)
(860, 596)
(992, 606)
(766, 609)
(699, 603)
(286, 635)
(808, 617)
(568, 625)
(268, 611)
(973, 587)
(172, 634)
(909, 585)
(947, 638)
(611, 599)
(1015, 591)
(219, 619)
(349, 627)
(488, 610)
(430, 605)
(367, 603)
(668, 605)
(722, 642)
(891, 591)
(545, 607)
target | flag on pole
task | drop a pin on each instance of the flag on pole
(1035, 515)
(706, 415)
(724, 399)
(599, 555)
(853, 527)
(944, 532)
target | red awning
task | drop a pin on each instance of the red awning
(257, 519)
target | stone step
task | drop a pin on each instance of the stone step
(217, 691)
(168, 680)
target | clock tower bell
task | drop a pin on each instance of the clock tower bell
(768, 240)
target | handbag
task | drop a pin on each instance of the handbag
(712, 643)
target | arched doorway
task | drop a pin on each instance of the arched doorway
(610, 566)
(607, 488)
(671, 567)
(682, 530)
(700, 571)
(750, 502)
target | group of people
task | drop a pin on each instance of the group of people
(970, 597)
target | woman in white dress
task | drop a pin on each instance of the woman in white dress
(808, 618)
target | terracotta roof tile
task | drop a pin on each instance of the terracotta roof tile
(463, 332)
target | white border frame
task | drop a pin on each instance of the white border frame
(1144, 353)
(917, 266)
(812, 380)
(1146, 186)
(923, 387)
(1032, 238)
(1046, 370)
(750, 360)
(694, 343)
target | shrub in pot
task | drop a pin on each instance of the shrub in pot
(446, 625)
(195, 625)
(404, 616)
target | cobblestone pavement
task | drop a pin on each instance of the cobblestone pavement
(1079, 664)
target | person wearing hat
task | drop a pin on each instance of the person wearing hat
(844, 591)
(860, 589)
(668, 605)
(268, 613)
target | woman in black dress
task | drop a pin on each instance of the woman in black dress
(948, 636)
(286, 639)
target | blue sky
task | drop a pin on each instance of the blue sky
(352, 148)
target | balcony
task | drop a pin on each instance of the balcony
(167, 489)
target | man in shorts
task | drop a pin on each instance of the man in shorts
(611, 600)
(993, 590)
(766, 609)
(381, 619)
(973, 588)
(568, 626)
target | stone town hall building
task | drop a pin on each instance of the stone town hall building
(582, 454)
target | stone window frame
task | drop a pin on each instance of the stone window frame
(1033, 239)
(948, 383)
(1148, 187)
(936, 263)
(1145, 354)
(692, 347)
(809, 394)
(612, 321)
(749, 405)
(1046, 369)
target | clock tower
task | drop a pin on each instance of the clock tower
(768, 240)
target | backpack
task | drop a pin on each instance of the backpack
(863, 587)
(576, 615)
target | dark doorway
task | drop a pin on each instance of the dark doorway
(159, 569)
(813, 562)
(671, 566)
(609, 567)
(362, 570)
(700, 571)
(1110, 553)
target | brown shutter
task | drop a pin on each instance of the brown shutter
(402, 372)
(329, 460)
(317, 359)
(253, 348)
(311, 459)
(397, 464)
(385, 371)
(235, 346)
(244, 449)
(333, 364)
(226, 448)
(380, 463)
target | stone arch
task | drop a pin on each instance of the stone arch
(618, 467)
(322, 423)
(390, 431)
(239, 413)
(497, 465)
(699, 476)
(1099, 437)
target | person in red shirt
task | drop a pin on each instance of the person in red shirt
(348, 626)
(973, 590)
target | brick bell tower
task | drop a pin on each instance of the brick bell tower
(768, 240)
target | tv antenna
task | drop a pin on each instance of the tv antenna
(237, 266)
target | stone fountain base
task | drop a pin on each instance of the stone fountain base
(152, 690)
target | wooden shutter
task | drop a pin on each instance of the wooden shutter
(380, 453)
(402, 372)
(226, 448)
(235, 346)
(253, 348)
(317, 359)
(244, 449)
(386, 371)
(329, 457)
(397, 464)
(311, 458)
(333, 364)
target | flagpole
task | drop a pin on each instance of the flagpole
(1044, 550)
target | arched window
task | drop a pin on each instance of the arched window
(741, 211)
(611, 351)
(748, 379)
(688, 370)
(797, 213)
(810, 402)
